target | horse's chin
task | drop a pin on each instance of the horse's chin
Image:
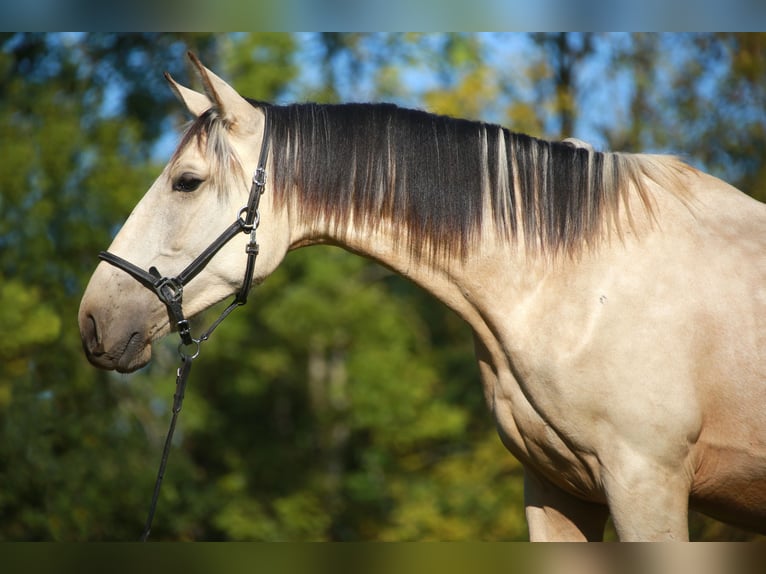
(129, 362)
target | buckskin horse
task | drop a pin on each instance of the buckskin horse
(617, 300)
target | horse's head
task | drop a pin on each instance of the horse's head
(196, 197)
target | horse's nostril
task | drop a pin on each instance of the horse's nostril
(91, 337)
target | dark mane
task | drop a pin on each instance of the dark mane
(434, 177)
(372, 163)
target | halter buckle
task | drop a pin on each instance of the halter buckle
(168, 290)
(184, 331)
(259, 177)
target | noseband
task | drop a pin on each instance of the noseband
(169, 290)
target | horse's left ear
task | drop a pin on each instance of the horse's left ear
(234, 109)
(195, 102)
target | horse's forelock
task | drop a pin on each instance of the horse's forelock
(210, 133)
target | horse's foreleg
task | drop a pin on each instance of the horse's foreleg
(554, 515)
(647, 501)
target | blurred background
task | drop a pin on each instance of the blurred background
(342, 403)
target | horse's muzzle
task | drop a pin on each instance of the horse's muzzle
(125, 354)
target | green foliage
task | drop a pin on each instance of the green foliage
(261, 62)
(342, 403)
(32, 322)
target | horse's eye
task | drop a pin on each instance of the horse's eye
(186, 183)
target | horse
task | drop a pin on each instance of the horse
(616, 300)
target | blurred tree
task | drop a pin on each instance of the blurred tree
(263, 63)
(44, 226)
(699, 95)
(561, 55)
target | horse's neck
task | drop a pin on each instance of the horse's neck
(459, 284)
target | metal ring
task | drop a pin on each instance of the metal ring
(246, 227)
(182, 352)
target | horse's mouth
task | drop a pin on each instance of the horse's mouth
(135, 354)
(126, 358)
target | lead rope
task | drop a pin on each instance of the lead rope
(182, 375)
(178, 399)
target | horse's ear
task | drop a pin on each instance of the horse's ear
(195, 102)
(235, 109)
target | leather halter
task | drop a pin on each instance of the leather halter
(169, 290)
